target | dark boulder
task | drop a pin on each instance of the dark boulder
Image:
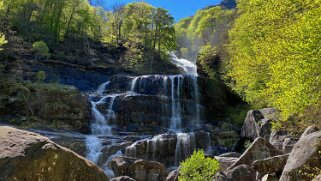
(139, 169)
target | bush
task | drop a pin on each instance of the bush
(41, 49)
(198, 167)
(2, 40)
(41, 76)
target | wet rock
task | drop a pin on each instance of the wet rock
(139, 169)
(173, 175)
(270, 165)
(259, 149)
(230, 154)
(169, 148)
(123, 178)
(304, 157)
(29, 156)
(160, 148)
(139, 112)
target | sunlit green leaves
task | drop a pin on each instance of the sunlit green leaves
(275, 54)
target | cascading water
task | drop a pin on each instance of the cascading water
(176, 119)
(100, 125)
(180, 99)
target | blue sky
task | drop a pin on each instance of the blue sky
(178, 8)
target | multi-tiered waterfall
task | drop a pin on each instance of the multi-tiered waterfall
(147, 105)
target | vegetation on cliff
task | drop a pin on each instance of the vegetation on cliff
(145, 31)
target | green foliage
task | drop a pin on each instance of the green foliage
(247, 144)
(198, 168)
(311, 172)
(142, 24)
(275, 54)
(41, 76)
(41, 49)
(208, 59)
(2, 37)
(53, 20)
(207, 26)
(2, 40)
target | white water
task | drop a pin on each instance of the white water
(184, 146)
(100, 125)
(102, 88)
(94, 146)
(176, 119)
(107, 167)
(189, 67)
(171, 86)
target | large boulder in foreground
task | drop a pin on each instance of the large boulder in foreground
(139, 169)
(28, 156)
(304, 158)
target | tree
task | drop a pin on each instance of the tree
(2, 37)
(41, 49)
(275, 54)
(207, 26)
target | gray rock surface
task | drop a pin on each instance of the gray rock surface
(304, 158)
(28, 156)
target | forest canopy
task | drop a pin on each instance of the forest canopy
(54, 20)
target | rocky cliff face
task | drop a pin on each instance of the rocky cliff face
(47, 106)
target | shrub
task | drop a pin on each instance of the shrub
(2, 40)
(41, 49)
(41, 76)
(198, 167)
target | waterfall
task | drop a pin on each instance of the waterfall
(185, 145)
(187, 66)
(100, 124)
(94, 146)
(133, 84)
(102, 88)
(176, 119)
(181, 107)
